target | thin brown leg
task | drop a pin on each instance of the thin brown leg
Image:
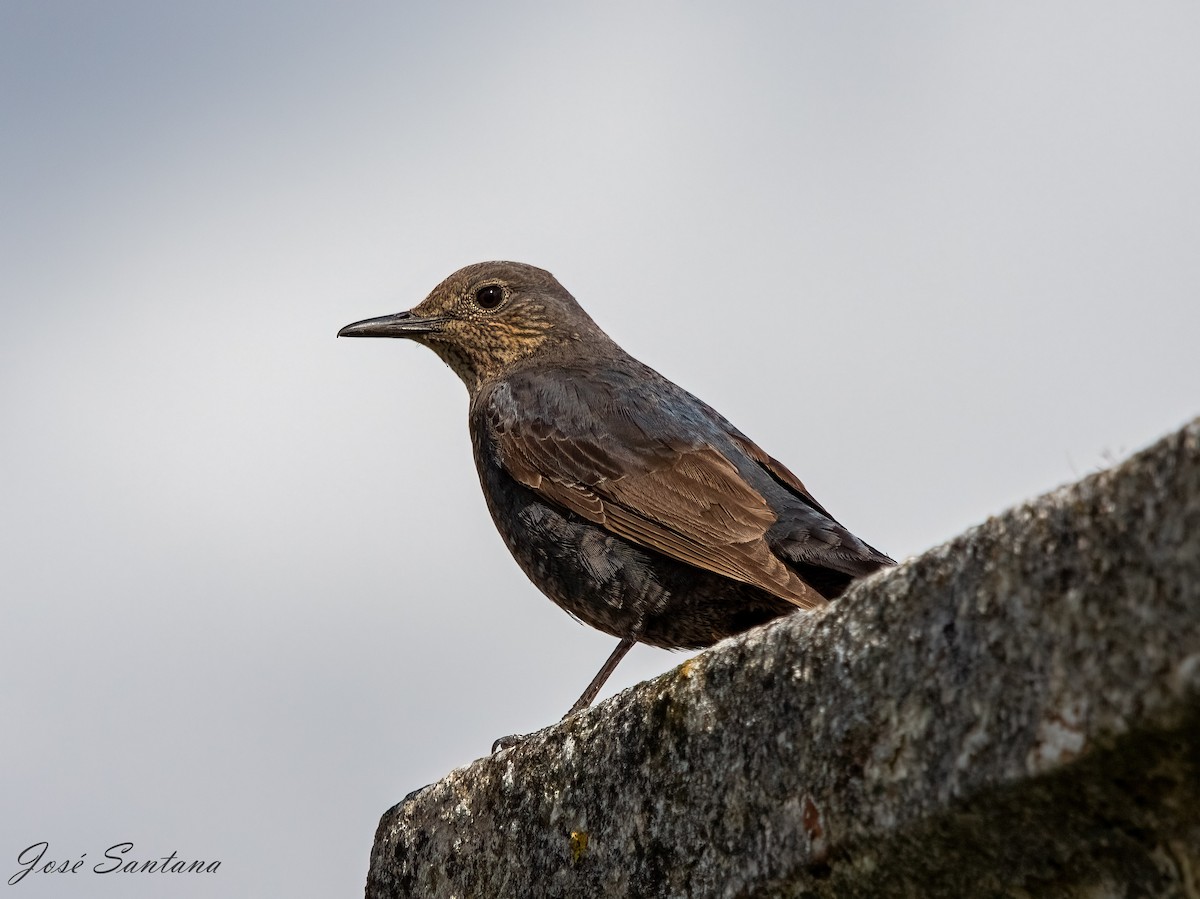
(602, 675)
(588, 695)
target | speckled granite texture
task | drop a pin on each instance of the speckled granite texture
(1016, 713)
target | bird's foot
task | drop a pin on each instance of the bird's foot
(415, 793)
(507, 742)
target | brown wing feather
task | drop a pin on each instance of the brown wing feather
(778, 471)
(717, 521)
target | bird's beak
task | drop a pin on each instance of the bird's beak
(402, 324)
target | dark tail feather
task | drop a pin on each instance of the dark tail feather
(831, 583)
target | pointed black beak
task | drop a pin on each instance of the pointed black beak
(402, 324)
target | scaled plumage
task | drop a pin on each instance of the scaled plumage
(628, 501)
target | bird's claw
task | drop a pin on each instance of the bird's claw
(507, 742)
(415, 793)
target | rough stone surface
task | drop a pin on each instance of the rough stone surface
(1015, 713)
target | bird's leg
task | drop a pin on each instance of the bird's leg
(602, 675)
(589, 694)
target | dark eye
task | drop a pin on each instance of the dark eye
(489, 297)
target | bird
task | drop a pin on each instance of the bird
(629, 502)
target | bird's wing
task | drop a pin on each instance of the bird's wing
(816, 542)
(780, 472)
(585, 448)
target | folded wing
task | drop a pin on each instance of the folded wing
(671, 492)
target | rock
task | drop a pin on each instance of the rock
(1015, 713)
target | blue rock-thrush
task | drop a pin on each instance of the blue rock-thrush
(633, 505)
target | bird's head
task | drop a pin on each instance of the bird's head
(487, 317)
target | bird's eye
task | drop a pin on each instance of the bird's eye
(489, 297)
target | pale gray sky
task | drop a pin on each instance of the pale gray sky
(936, 257)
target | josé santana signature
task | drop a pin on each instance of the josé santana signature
(116, 861)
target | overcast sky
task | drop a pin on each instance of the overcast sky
(937, 257)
